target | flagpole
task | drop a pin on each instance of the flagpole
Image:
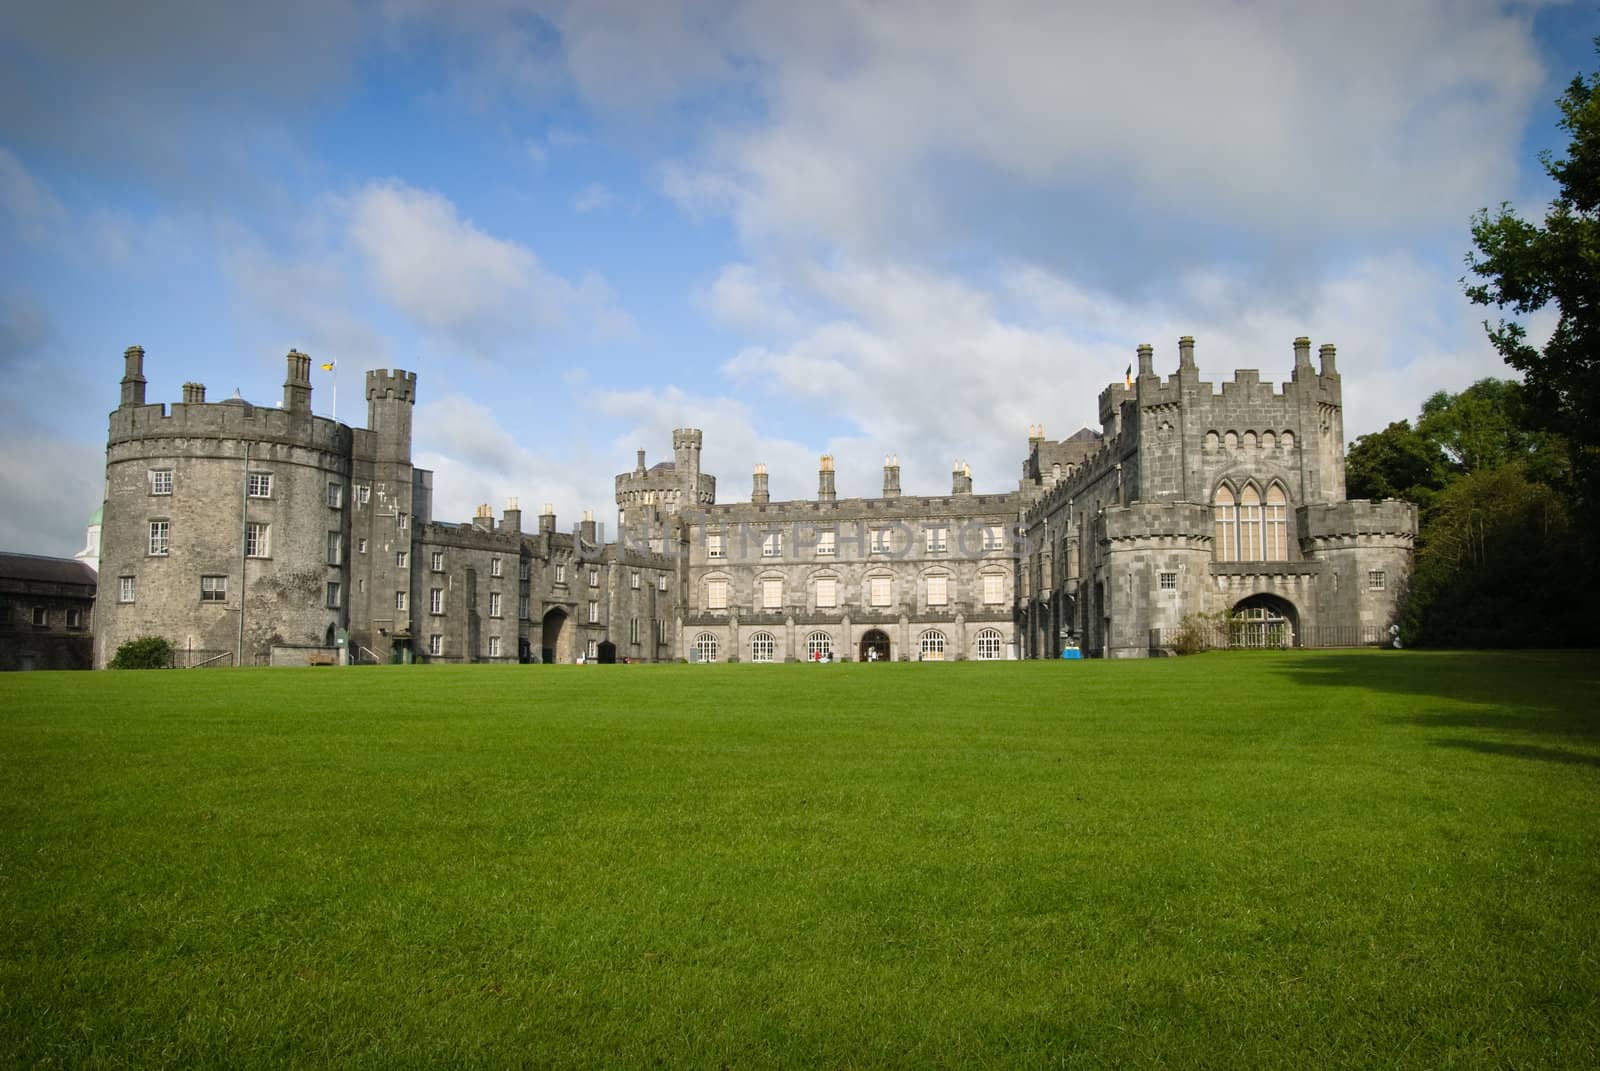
(332, 367)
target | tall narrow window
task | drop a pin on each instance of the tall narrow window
(494, 566)
(561, 573)
(522, 608)
(436, 644)
(333, 594)
(494, 604)
(714, 545)
(633, 630)
(494, 646)
(257, 540)
(1249, 524)
(437, 561)
(716, 594)
(399, 559)
(827, 592)
(633, 581)
(1226, 542)
(1277, 525)
(125, 589)
(661, 582)
(160, 531)
(878, 588)
(938, 590)
(335, 495)
(399, 600)
(594, 578)
(772, 594)
(335, 548)
(436, 601)
(994, 588)
(594, 611)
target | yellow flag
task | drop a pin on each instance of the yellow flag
(328, 367)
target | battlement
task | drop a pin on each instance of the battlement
(399, 385)
(682, 437)
(1358, 519)
(1158, 520)
(233, 419)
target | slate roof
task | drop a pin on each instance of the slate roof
(36, 567)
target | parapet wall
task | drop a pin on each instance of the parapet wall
(227, 420)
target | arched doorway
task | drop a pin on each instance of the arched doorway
(875, 646)
(1264, 621)
(556, 645)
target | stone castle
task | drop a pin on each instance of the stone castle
(246, 534)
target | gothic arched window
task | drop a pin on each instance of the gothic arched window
(1226, 544)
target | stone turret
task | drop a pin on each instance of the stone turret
(391, 396)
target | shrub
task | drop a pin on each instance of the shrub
(146, 652)
(1202, 632)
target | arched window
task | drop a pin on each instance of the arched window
(1226, 545)
(705, 647)
(1211, 440)
(991, 645)
(1230, 439)
(819, 645)
(1288, 440)
(762, 647)
(933, 646)
(1277, 549)
(1249, 440)
(1249, 524)
(1268, 440)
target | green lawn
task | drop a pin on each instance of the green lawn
(1361, 859)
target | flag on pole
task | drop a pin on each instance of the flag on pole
(1128, 375)
(329, 366)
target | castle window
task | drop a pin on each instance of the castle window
(825, 543)
(1169, 581)
(333, 594)
(990, 644)
(994, 588)
(335, 496)
(1226, 541)
(125, 589)
(400, 521)
(1230, 439)
(1268, 440)
(661, 582)
(594, 578)
(661, 630)
(594, 611)
(436, 562)
(772, 594)
(938, 539)
(494, 566)
(494, 646)
(1288, 440)
(399, 559)
(882, 540)
(161, 481)
(938, 590)
(1249, 440)
(400, 600)
(522, 608)
(335, 548)
(705, 647)
(714, 545)
(633, 631)
(878, 591)
(1249, 524)
(716, 594)
(363, 494)
(772, 545)
(361, 546)
(762, 647)
(522, 570)
(819, 645)
(592, 650)
(41, 617)
(436, 645)
(932, 646)
(993, 537)
(160, 534)
(1277, 527)
(213, 589)
(436, 601)
(258, 484)
(1055, 472)
(1211, 440)
(633, 580)
(494, 604)
(74, 617)
(827, 592)
(1376, 580)
(561, 573)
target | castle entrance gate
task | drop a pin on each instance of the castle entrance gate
(557, 643)
(1264, 621)
(875, 642)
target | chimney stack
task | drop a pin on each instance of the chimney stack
(194, 394)
(483, 519)
(1302, 356)
(758, 485)
(133, 376)
(1186, 354)
(1147, 359)
(961, 479)
(1329, 364)
(547, 520)
(512, 519)
(297, 383)
(586, 528)
(891, 476)
(825, 488)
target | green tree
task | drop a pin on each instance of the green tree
(1396, 462)
(1525, 267)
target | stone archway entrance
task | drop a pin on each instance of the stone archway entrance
(556, 646)
(1264, 621)
(875, 643)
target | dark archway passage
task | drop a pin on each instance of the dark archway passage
(1264, 621)
(556, 645)
(875, 643)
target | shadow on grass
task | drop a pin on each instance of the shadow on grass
(1521, 751)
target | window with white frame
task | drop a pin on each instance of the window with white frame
(661, 582)
(633, 630)
(882, 541)
(399, 600)
(1376, 580)
(494, 646)
(594, 578)
(333, 594)
(125, 589)
(436, 645)
(994, 537)
(494, 604)
(400, 521)
(74, 617)
(361, 546)
(938, 540)
(561, 573)
(827, 592)
(494, 566)
(705, 647)
(1277, 525)
(991, 645)
(716, 594)
(994, 588)
(826, 546)
(762, 647)
(436, 561)
(258, 484)
(594, 611)
(592, 650)
(522, 608)
(661, 630)
(363, 494)
(213, 589)
(335, 495)
(160, 537)
(772, 545)
(932, 646)
(772, 594)
(633, 580)
(1249, 524)
(257, 540)
(436, 601)
(878, 590)
(400, 559)
(335, 548)
(161, 481)
(938, 589)
(714, 548)
(819, 645)
(1169, 581)
(1225, 516)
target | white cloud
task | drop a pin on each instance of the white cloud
(593, 198)
(32, 208)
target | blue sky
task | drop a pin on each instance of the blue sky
(832, 227)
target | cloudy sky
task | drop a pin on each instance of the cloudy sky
(843, 227)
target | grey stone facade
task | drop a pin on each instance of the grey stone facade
(233, 529)
(46, 613)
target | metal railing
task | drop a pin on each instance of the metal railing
(1266, 635)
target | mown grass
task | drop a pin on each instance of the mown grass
(1357, 859)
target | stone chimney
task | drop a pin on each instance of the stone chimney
(1147, 359)
(638, 468)
(758, 485)
(133, 380)
(1302, 356)
(891, 476)
(586, 527)
(825, 488)
(1186, 354)
(297, 383)
(512, 518)
(547, 520)
(483, 519)
(194, 394)
(961, 479)
(1328, 354)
